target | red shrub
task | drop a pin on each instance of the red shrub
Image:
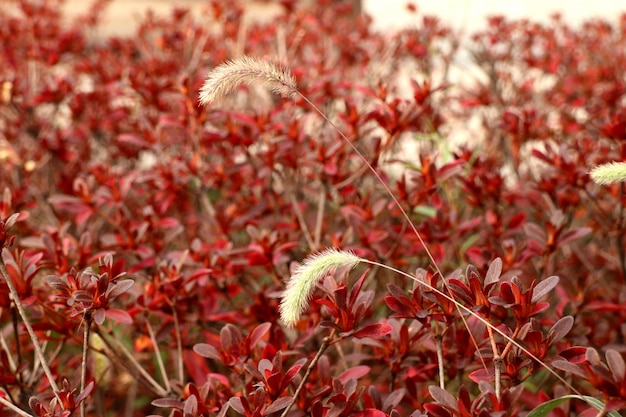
(116, 170)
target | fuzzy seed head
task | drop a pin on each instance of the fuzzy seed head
(610, 173)
(226, 77)
(302, 282)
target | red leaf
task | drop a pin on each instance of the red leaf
(167, 223)
(450, 169)
(369, 413)
(569, 367)
(574, 234)
(394, 398)
(436, 410)
(208, 351)
(291, 374)
(605, 306)
(237, 404)
(133, 139)
(355, 372)
(119, 288)
(258, 332)
(481, 375)
(374, 331)
(560, 329)
(277, 405)
(167, 403)
(544, 287)
(354, 292)
(351, 210)
(574, 354)
(616, 364)
(517, 221)
(494, 272)
(119, 316)
(400, 306)
(615, 404)
(443, 397)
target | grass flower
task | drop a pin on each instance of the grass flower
(302, 282)
(225, 78)
(609, 173)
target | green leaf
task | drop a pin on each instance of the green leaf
(469, 242)
(544, 409)
(427, 211)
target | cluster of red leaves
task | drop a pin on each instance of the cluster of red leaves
(115, 170)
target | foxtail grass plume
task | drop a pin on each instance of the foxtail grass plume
(302, 283)
(609, 173)
(226, 77)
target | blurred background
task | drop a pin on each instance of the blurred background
(469, 15)
(464, 15)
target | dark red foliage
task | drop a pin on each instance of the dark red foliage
(64, 404)
(170, 229)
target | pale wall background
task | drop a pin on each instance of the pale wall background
(470, 15)
(466, 15)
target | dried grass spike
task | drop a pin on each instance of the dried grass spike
(226, 77)
(609, 173)
(302, 283)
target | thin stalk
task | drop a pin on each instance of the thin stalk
(342, 356)
(14, 408)
(357, 174)
(497, 363)
(51, 357)
(129, 407)
(29, 328)
(496, 358)
(301, 221)
(179, 346)
(319, 221)
(442, 373)
(325, 344)
(477, 316)
(16, 335)
(620, 247)
(377, 175)
(83, 365)
(509, 344)
(246, 70)
(5, 347)
(226, 77)
(242, 381)
(5, 388)
(397, 203)
(159, 359)
(119, 346)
